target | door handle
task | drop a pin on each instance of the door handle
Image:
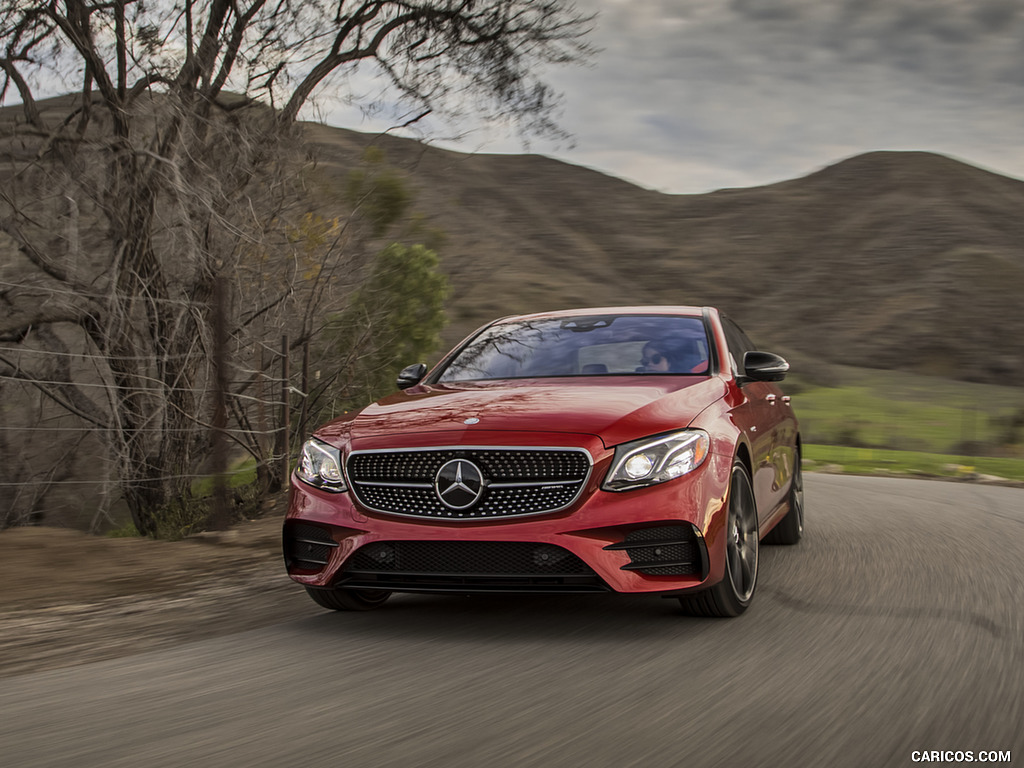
(770, 399)
(786, 399)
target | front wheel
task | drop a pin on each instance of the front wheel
(733, 594)
(791, 528)
(348, 599)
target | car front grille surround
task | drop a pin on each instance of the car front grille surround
(468, 566)
(673, 550)
(485, 483)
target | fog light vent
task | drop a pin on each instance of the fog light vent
(307, 547)
(675, 550)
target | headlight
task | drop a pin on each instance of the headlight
(320, 466)
(657, 459)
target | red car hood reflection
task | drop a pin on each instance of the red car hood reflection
(616, 412)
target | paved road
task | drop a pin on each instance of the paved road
(895, 626)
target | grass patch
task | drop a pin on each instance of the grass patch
(908, 412)
(243, 473)
(871, 461)
(124, 531)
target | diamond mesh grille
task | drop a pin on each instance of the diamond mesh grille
(499, 464)
(518, 481)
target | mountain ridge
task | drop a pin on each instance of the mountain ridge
(866, 261)
(888, 259)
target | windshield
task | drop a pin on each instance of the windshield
(588, 345)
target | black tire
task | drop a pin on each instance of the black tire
(791, 528)
(733, 594)
(348, 599)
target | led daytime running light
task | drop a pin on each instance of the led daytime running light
(656, 460)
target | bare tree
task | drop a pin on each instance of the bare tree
(171, 164)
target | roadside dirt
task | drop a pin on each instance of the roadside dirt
(68, 598)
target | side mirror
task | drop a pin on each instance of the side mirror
(763, 366)
(411, 375)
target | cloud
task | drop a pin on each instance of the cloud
(767, 88)
(943, 40)
(693, 96)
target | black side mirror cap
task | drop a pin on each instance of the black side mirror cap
(411, 375)
(763, 366)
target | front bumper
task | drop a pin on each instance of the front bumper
(665, 539)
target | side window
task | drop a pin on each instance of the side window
(738, 343)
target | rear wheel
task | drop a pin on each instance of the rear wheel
(349, 599)
(734, 593)
(791, 528)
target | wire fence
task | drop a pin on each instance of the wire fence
(245, 471)
(251, 432)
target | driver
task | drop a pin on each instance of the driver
(673, 356)
(653, 359)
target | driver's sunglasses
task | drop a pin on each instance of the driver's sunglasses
(654, 359)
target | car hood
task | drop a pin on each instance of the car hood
(615, 411)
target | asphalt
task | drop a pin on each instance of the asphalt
(896, 626)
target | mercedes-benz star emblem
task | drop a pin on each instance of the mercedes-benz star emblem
(459, 484)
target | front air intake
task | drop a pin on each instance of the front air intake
(307, 547)
(468, 566)
(675, 550)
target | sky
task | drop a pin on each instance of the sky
(690, 96)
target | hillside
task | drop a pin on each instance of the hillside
(888, 260)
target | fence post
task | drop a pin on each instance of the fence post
(304, 412)
(263, 470)
(284, 444)
(221, 517)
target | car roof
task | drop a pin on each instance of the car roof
(686, 311)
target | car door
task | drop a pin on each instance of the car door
(765, 416)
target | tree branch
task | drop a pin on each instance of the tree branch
(241, 26)
(15, 331)
(28, 102)
(31, 252)
(71, 399)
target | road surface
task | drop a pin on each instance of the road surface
(895, 627)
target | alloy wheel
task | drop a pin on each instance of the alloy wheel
(742, 543)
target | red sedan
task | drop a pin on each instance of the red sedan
(626, 449)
